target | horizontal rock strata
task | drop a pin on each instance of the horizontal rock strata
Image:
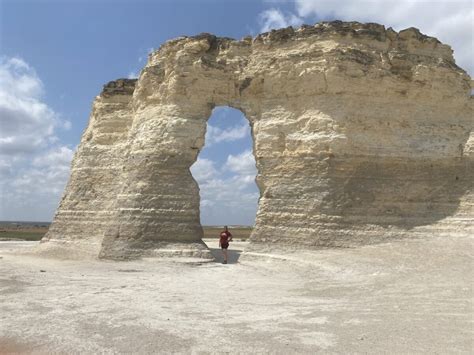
(361, 134)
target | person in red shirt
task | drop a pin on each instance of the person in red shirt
(225, 238)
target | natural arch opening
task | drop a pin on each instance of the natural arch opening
(225, 172)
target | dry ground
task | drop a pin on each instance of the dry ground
(402, 297)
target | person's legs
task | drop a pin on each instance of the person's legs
(224, 251)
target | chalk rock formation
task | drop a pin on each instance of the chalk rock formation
(361, 134)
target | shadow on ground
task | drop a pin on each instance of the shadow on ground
(233, 255)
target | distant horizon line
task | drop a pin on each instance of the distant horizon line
(204, 225)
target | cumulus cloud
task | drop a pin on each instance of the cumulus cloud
(274, 18)
(204, 170)
(26, 122)
(242, 164)
(44, 178)
(56, 157)
(227, 199)
(34, 166)
(216, 135)
(449, 21)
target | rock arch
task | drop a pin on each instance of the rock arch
(361, 134)
(225, 171)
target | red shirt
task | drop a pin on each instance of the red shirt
(225, 237)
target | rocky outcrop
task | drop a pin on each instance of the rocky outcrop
(88, 201)
(361, 134)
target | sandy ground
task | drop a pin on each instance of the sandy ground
(401, 297)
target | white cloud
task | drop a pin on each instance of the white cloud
(56, 157)
(274, 18)
(132, 75)
(227, 199)
(451, 21)
(204, 170)
(33, 165)
(26, 122)
(216, 135)
(45, 177)
(242, 164)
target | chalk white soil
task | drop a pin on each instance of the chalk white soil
(411, 296)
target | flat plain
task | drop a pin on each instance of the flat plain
(35, 231)
(22, 231)
(406, 296)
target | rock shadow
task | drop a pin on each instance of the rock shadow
(233, 255)
(405, 193)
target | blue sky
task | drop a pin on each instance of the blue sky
(56, 55)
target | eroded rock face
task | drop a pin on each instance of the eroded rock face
(361, 134)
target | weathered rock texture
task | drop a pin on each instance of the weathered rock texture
(360, 134)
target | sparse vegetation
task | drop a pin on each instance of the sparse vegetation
(37, 232)
(22, 235)
(241, 233)
(22, 230)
